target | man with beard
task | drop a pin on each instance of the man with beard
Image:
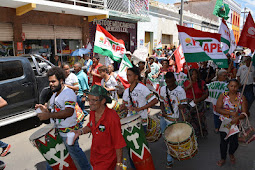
(62, 114)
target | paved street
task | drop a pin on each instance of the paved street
(24, 156)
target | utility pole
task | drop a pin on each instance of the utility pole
(244, 15)
(181, 13)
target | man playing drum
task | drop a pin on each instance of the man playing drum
(172, 97)
(104, 124)
(62, 114)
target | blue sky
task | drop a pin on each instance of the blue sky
(250, 4)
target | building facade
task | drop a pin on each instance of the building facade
(205, 8)
(234, 18)
(162, 25)
(47, 27)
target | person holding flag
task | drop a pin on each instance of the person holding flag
(201, 93)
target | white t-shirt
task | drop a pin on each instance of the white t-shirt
(177, 96)
(66, 98)
(215, 89)
(242, 72)
(111, 83)
(141, 96)
(72, 80)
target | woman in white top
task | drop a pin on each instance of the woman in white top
(137, 98)
(71, 80)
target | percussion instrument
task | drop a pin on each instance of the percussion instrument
(116, 106)
(50, 144)
(180, 140)
(153, 129)
(133, 133)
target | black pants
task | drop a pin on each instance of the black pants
(232, 141)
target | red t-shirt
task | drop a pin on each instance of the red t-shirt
(96, 79)
(198, 92)
(106, 139)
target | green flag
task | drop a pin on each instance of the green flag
(221, 9)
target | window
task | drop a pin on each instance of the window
(10, 69)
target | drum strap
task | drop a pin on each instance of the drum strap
(169, 101)
(130, 98)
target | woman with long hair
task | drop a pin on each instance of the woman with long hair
(230, 105)
(137, 98)
(201, 93)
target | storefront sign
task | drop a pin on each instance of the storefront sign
(115, 26)
(19, 46)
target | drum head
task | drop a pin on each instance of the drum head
(178, 132)
(41, 132)
(129, 119)
(111, 105)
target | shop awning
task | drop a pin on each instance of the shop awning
(57, 7)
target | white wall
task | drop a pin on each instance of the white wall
(158, 26)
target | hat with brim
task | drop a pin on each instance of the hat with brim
(97, 90)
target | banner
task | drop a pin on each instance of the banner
(247, 38)
(159, 46)
(141, 54)
(225, 37)
(232, 43)
(179, 58)
(153, 85)
(108, 45)
(199, 46)
(122, 74)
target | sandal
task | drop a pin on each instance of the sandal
(232, 159)
(221, 162)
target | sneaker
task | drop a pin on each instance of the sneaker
(5, 150)
(169, 164)
(2, 165)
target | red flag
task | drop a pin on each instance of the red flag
(123, 81)
(179, 58)
(247, 38)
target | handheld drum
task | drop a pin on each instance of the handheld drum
(153, 129)
(50, 144)
(116, 106)
(180, 140)
(133, 133)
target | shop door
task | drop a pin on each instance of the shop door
(6, 39)
(68, 32)
(149, 38)
(6, 32)
(38, 32)
(166, 40)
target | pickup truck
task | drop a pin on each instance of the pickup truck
(23, 83)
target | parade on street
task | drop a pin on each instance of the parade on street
(127, 85)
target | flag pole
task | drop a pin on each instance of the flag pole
(245, 82)
(194, 98)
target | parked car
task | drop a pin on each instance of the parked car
(23, 83)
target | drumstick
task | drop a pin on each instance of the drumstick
(183, 115)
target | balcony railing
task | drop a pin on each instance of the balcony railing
(134, 7)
